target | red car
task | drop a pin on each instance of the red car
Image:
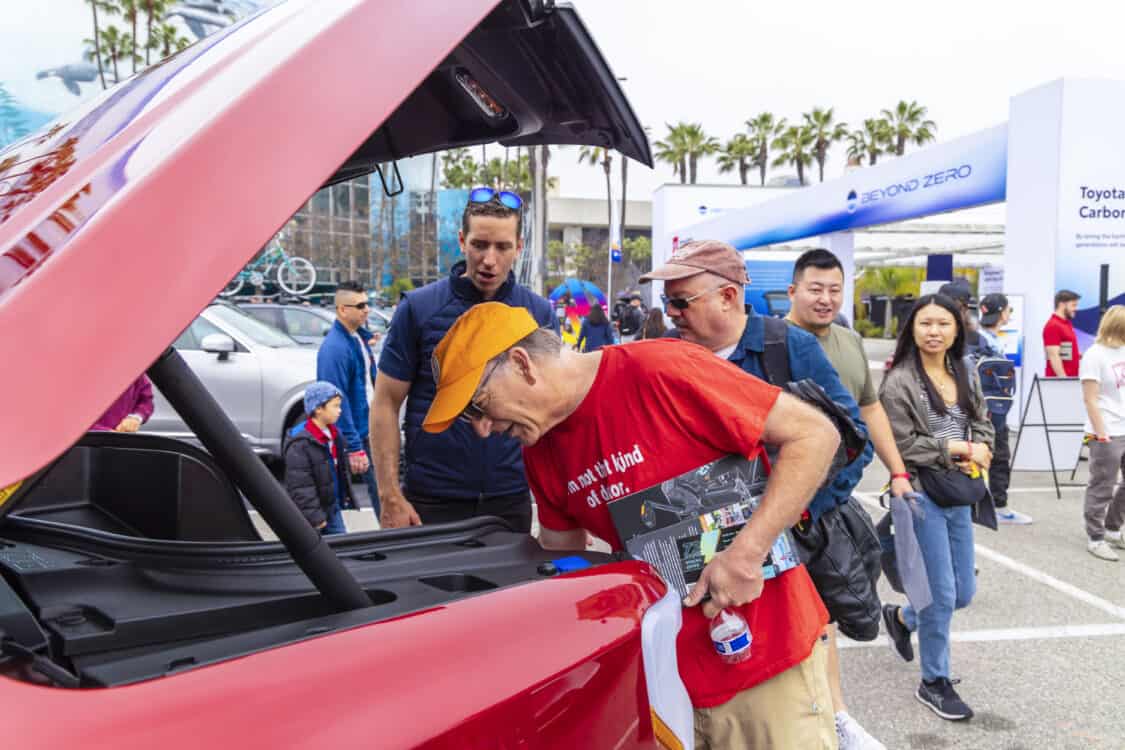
(138, 606)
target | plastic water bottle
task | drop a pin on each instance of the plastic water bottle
(731, 636)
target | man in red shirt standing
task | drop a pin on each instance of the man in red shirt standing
(596, 427)
(1060, 343)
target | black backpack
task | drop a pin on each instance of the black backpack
(775, 367)
(840, 550)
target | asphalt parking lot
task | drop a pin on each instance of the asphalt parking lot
(1040, 651)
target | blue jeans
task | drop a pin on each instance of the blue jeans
(335, 520)
(369, 477)
(945, 536)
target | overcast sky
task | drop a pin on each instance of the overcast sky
(720, 62)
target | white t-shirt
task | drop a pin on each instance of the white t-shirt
(1107, 367)
(367, 364)
(725, 353)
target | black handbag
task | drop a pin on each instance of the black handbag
(842, 555)
(950, 488)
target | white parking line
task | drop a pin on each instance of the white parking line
(1035, 574)
(1046, 632)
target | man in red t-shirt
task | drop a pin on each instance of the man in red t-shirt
(599, 426)
(1060, 343)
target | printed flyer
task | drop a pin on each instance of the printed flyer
(679, 525)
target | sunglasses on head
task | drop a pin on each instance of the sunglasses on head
(503, 197)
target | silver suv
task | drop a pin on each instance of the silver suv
(256, 372)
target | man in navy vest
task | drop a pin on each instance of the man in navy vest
(453, 475)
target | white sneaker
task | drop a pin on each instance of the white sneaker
(1013, 517)
(854, 737)
(1101, 550)
(1115, 539)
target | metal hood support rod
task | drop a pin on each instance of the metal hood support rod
(206, 419)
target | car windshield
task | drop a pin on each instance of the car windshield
(254, 329)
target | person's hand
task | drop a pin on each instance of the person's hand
(901, 487)
(358, 462)
(397, 512)
(1102, 438)
(981, 454)
(322, 525)
(733, 577)
(128, 424)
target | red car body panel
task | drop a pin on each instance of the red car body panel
(117, 226)
(112, 177)
(551, 664)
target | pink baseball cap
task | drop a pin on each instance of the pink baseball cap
(702, 256)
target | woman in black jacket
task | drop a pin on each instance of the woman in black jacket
(596, 330)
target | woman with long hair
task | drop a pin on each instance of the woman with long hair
(596, 330)
(654, 327)
(941, 427)
(1102, 372)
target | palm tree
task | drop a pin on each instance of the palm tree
(96, 54)
(112, 42)
(595, 155)
(130, 11)
(764, 128)
(870, 142)
(673, 150)
(697, 143)
(168, 40)
(796, 145)
(908, 122)
(128, 47)
(739, 152)
(825, 133)
(891, 282)
(685, 144)
(154, 9)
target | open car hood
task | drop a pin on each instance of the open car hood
(123, 219)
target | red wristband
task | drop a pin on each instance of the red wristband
(903, 475)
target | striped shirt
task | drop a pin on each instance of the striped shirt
(953, 425)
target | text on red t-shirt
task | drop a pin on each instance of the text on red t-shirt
(656, 410)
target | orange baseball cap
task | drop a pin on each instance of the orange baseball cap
(481, 333)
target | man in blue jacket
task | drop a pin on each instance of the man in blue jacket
(454, 475)
(704, 294)
(345, 361)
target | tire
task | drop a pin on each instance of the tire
(296, 276)
(233, 286)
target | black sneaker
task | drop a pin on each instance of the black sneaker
(897, 632)
(940, 697)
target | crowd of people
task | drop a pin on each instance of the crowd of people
(495, 410)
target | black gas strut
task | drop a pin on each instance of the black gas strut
(206, 419)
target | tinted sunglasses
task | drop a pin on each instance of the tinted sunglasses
(683, 303)
(504, 197)
(358, 306)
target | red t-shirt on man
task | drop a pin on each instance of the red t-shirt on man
(1059, 332)
(680, 406)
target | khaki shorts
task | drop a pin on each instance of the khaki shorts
(790, 711)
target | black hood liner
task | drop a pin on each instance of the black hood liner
(549, 76)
